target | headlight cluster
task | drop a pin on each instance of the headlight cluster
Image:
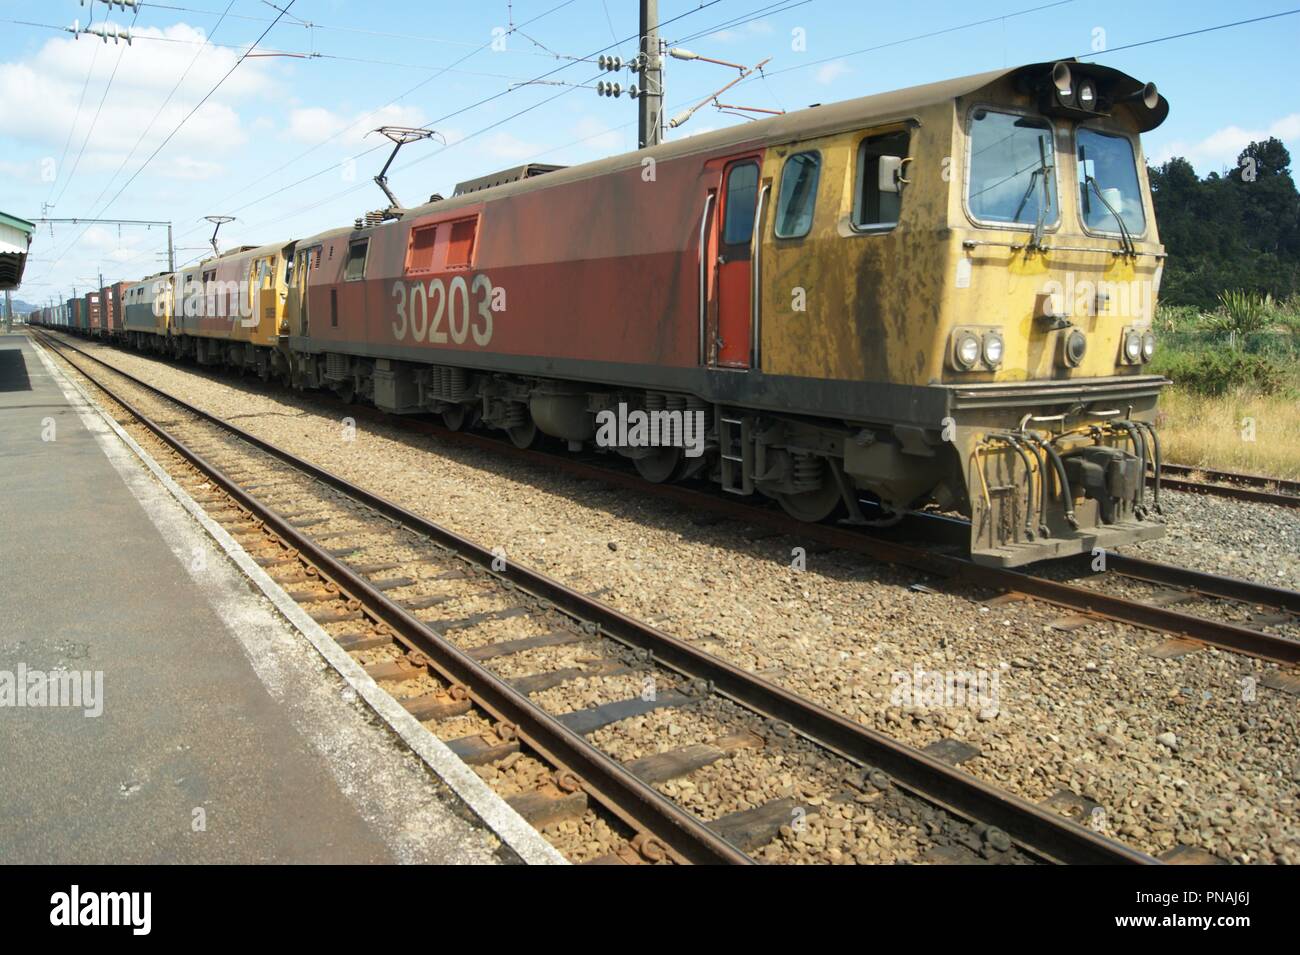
(1073, 347)
(1137, 346)
(976, 347)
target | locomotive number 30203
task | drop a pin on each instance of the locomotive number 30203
(421, 308)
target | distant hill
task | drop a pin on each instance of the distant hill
(20, 307)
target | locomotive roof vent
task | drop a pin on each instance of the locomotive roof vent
(514, 174)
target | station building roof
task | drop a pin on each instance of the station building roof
(15, 239)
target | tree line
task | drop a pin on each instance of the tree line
(1236, 230)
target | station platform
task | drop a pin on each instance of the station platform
(221, 737)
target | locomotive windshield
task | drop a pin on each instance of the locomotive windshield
(1012, 173)
(1108, 183)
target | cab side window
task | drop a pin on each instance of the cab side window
(881, 177)
(356, 266)
(798, 198)
(742, 191)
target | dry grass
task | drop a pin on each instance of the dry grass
(1209, 432)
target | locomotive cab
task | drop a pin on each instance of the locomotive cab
(1049, 317)
(982, 265)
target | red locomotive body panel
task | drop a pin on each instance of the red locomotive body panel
(603, 269)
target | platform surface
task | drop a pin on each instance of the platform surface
(198, 755)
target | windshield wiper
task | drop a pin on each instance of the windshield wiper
(1039, 175)
(1125, 239)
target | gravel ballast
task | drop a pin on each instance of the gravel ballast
(1187, 750)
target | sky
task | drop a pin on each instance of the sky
(176, 126)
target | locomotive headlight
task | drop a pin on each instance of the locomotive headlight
(992, 350)
(1148, 345)
(966, 351)
(1087, 95)
(1074, 348)
(1132, 347)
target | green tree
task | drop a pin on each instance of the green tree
(1235, 231)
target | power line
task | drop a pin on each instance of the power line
(742, 20)
(920, 36)
(475, 105)
(312, 25)
(353, 125)
(904, 40)
(177, 128)
(67, 180)
(1179, 36)
(145, 132)
(76, 118)
(564, 66)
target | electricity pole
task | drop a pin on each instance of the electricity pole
(651, 101)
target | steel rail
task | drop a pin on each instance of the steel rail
(1234, 477)
(1255, 495)
(607, 780)
(1206, 630)
(1042, 832)
(1212, 585)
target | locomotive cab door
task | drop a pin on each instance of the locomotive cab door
(730, 323)
(296, 307)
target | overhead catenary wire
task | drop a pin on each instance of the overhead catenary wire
(174, 131)
(705, 4)
(67, 180)
(372, 113)
(464, 109)
(145, 131)
(917, 37)
(76, 117)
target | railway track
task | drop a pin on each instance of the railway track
(1185, 604)
(1231, 484)
(443, 623)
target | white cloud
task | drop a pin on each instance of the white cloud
(1221, 148)
(509, 147)
(42, 93)
(313, 125)
(832, 71)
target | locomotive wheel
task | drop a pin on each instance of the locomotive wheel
(523, 436)
(659, 465)
(689, 467)
(812, 506)
(454, 417)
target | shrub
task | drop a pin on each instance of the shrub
(1171, 318)
(1242, 312)
(1216, 373)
